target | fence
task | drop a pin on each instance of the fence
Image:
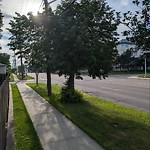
(4, 102)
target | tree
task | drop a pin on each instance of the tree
(4, 59)
(41, 44)
(84, 39)
(32, 36)
(47, 47)
(139, 25)
(125, 59)
(1, 24)
(17, 42)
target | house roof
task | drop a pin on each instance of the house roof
(125, 41)
(2, 64)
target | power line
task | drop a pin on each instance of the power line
(52, 1)
(69, 5)
(40, 5)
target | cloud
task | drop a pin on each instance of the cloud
(125, 2)
(6, 15)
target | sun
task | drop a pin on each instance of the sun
(31, 6)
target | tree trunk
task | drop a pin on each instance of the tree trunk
(70, 85)
(21, 69)
(37, 79)
(49, 88)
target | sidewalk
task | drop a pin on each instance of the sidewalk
(136, 77)
(55, 131)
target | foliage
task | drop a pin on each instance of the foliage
(1, 24)
(4, 59)
(113, 126)
(11, 78)
(25, 134)
(126, 59)
(86, 38)
(19, 35)
(41, 43)
(143, 76)
(21, 69)
(70, 96)
(139, 25)
(25, 77)
(34, 56)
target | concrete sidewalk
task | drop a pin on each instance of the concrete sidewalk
(55, 131)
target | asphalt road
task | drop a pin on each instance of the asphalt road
(118, 88)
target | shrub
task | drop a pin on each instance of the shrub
(70, 96)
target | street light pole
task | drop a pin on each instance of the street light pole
(145, 67)
(146, 53)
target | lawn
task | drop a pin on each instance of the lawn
(25, 135)
(26, 77)
(11, 78)
(125, 72)
(113, 126)
(143, 76)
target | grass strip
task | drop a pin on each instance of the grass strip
(143, 76)
(25, 135)
(125, 72)
(11, 78)
(26, 77)
(113, 126)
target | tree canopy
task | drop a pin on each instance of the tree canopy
(19, 35)
(1, 24)
(138, 23)
(86, 38)
(4, 59)
(77, 36)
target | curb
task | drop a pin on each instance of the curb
(135, 77)
(10, 143)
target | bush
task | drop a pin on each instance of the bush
(70, 96)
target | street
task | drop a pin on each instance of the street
(117, 88)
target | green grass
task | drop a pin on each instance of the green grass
(26, 77)
(125, 72)
(143, 76)
(25, 135)
(11, 78)
(113, 126)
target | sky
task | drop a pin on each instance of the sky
(9, 7)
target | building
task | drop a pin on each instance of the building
(127, 63)
(124, 44)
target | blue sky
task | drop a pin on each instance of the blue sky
(9, 8)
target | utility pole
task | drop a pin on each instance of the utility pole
(49, 88)
(48, 70)
(46, 5)
(146, 53)
(145, 67)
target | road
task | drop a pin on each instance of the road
(118, 88)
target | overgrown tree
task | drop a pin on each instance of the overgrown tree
(1, 24)
(125, 59)
(18, 37)
(41, 43)
(84, 39)
(138, 23)
(5, 59)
